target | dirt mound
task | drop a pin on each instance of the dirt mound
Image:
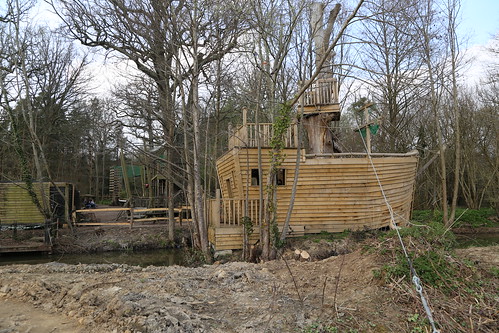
(334, 291)
(277, 296)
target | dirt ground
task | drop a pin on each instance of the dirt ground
(336, 293)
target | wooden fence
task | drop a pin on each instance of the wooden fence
(127, 216)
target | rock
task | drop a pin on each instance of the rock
(110, 292)
(223, 253)
(220, 274)
(5, 289)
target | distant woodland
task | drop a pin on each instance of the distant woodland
(186, 69)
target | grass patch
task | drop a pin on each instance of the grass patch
(319, 327)
(455, 284)
(328, 236)
(467, 217)
(433, 268)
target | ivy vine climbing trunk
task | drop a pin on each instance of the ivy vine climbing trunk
(270, 233)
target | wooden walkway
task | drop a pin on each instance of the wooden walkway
(25, 248)
(119, 216)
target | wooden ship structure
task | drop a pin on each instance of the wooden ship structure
(17, 207)
(335, 191)
(19, 212)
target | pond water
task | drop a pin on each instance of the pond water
(162, 257)
(169, 257)
(478, 239)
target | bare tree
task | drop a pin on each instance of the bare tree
(391, 59)
(208, 34)
(141, 32)
(453, 8)
(432, 51)
(40, 81)
(479, 175)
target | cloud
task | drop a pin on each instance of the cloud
(479, 60)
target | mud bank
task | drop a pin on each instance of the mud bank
(118, 238)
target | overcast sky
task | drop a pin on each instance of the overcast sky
(479, 23)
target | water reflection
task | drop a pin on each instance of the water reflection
(163, 257)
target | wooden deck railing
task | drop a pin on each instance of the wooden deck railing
(247, 135)
(230, 212)
(321, 92)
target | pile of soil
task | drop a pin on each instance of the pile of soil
(286, 295)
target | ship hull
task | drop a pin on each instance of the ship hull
(333, 193)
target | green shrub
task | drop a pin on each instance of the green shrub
(434, 233)
(432, 268)
(476, 218)
(428, 248)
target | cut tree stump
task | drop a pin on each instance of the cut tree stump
(301, 255)
(304, 256)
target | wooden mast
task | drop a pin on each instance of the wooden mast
(321, 100)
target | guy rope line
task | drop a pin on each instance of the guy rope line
(415, 278)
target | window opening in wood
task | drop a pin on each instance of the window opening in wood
(255, 177)
(281, 177)
(229, 187)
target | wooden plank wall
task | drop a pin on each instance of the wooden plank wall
(335, 194)
(225, 167)
(16, 205)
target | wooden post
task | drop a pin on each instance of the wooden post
(366, 126)
(47, 232)
(243, 134)
(368, 132)
(131, 216)
(230, 136)
(125, 178)
(216, 210)
(66, 203)
(71, 208)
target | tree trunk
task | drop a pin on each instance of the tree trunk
(196, 149)
(196, 161)
(320, 136)
(428, 56)
(457, 130)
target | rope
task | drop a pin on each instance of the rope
(415, 278)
